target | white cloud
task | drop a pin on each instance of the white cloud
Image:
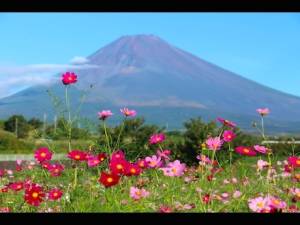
(78, 60)
(14, 78)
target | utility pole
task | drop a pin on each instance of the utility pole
(16, 127)
(55, 124)
(44, 125)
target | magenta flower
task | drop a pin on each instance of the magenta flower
(226, 122)
(174, 169)
(214, 143)
(163, 154)
(276, 203)
(93, 161)
(104, 114)
(157, 138)
(137, 193)
(154, 161)
(261, 149)
(263, 112)
(244, 150)
(42, 154)
(127, 112)
(228, 135)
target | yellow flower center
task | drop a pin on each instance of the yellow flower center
(132, 170)
(77, 156)
(260, 204)
(55, 194)
(246, 150)
(119, 166)
(43, 154)
(102, 159)
(174, 170)
(276, 202)
(35, 195)
(109, 180)
(19, 186)
(298, 161)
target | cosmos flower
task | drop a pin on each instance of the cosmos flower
(263, 111)
(258, 204)
(276, 203)
(109, 179)
(16, 186)
(165, 209)
(163, 154)
(142, 163)
(118, 166)
(102, 156)
(132, 170)
(34, 195)
(261, 164)
(104, 114)
(261, 149)
(226, 122)
(243, 150)
(56, 169)
(77, 155)
(236, 194)
(294, 161)
(119, 154)
(93, 161)
(55, 194)
(153, 161)
(69, 78)
(128, 113)
(42, 154)
(2, 173)
(228, 135)
(136, 193)
(157, 138)
(46, 165)
(214, 143)
(174, 169)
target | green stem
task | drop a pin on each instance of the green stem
(107, 139)
(75, 177)
(121, 131)
(69, 117)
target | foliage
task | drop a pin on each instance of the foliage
(19, 123)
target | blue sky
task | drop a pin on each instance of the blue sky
(263, 47)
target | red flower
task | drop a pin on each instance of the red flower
(56, 169)
(242, 150)
(102, 156)
(34, 195)
(118, 166)
(77, 155)
(46, 165)
(18, 168)
(4, 189)
(119, 154)
(17, 186)
(165, 209)
(69, 78)
(55, 194)
(210, 177)
(2, 173)
(132, 170)
(108, 179)
(288, 168)
(142, 164)
(294, 161)
(5, 210)
(42, 154)
(206, 198)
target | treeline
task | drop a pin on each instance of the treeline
(185, 144)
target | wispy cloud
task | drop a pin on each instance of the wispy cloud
(16, 77)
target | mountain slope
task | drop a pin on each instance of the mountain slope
(162, 81)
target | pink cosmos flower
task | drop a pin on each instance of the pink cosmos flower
(56, 169)
(163, 154)
(261, 149)
(174, 169)
(261, 164)
(104, 114)
(119, 154)
(69, 78)
(137, 193)
(93, 161)
(55, 194)
(214, 143)
(203, 159)
(127, 112)
(237, 194)
(226, 122)
(294, 161)
(258, 204)
(156, 138)
(228, 135)
(19, 162)
(263, 111)
(154, 161)
(276, 203)
(243, 150)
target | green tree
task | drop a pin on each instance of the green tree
(17, 124)
(35, 123)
